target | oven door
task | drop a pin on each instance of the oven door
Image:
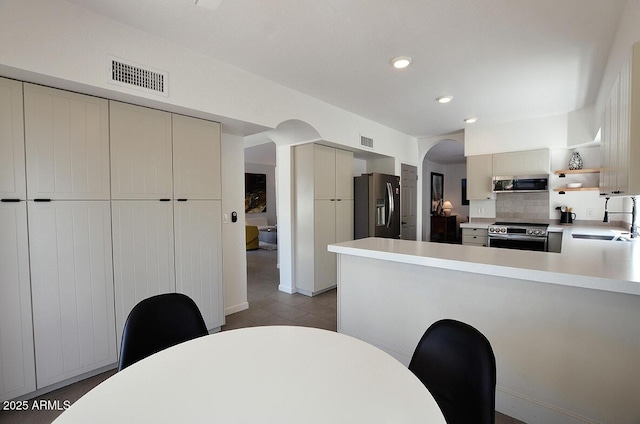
(520, 242)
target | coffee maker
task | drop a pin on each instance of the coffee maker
(566, 215)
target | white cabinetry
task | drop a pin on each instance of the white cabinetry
(323, 213)
(17, 366)
(72, 284)
(479, 174)
(621, 132)
(67, 144)
(475, 236)
(530, 162)
(141, 157)
(167, 236)
(12, 162)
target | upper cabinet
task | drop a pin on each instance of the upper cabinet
(479, 173)
(141, 152)
(12, 162)
(530, 162)
(196, 158)
(621, 132)
(333, 169)
(67, 145)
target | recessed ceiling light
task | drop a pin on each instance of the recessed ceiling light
(470, 120)
(401, 62)
(444, 99)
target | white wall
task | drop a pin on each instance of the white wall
(530, 134)
(234, 258)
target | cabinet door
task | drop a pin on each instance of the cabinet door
(72, 285)
(196, 158)
(143, 262)
(12, 162)
(325, 230)
(344, 221)
(530, 162)
(624, 125)
(198, 247)
(324, 172)
(141, 156)
(17, 363)
(67, 144)
(344, 174)
(479, 174)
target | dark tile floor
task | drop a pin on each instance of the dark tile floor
(267, 306)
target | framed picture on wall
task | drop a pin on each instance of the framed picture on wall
(437, 192)
(255, 197)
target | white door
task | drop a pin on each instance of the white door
(196, 158)
(17, 364)
(141, 153)
(67, 144)
(143, 261)
(12, 162)
(72, 288)
(409, 201)
(198, 250)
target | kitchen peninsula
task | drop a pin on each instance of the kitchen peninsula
(564, 327)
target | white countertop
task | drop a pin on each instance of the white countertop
(612, 266)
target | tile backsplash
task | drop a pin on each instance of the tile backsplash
(522, 206)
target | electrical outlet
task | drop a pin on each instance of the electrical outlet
(589, 212)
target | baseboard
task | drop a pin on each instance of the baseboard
(534, 411)
(236, 308)
(288, 289)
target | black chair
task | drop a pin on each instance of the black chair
(157, 323)
(456, 363)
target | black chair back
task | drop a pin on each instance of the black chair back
(456, 363)
(157, 323)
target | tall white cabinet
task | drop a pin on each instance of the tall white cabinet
(67, 161)
(323, 213)
(17, 363)
(166, 209)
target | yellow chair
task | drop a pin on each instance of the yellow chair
(252, 233)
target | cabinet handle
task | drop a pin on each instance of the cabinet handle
(41, 200)
(333, 200)
(165, 200)
(338, 200)
(182, 200)
(9, 200)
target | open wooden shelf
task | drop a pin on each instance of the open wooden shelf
(563, 172)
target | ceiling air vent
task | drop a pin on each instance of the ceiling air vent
(366, 142)
(139, 77)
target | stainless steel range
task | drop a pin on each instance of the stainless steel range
(518, 235)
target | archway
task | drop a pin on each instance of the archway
(445, 157)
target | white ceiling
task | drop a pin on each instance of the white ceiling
(502, 60)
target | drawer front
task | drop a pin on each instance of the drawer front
(478, 240)
(474, 232)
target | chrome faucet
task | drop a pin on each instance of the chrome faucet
(633, 231)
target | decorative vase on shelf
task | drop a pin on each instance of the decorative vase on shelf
(576, 161)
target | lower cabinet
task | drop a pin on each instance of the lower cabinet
(72, 288)
(17, 365)
(198, 256)
(475, 236)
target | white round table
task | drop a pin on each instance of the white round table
(261, 375)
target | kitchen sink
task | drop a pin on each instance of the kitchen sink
(606, 237)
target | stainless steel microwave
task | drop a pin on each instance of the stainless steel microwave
(520, 184)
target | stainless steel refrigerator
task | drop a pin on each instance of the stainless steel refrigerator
(376, 206)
